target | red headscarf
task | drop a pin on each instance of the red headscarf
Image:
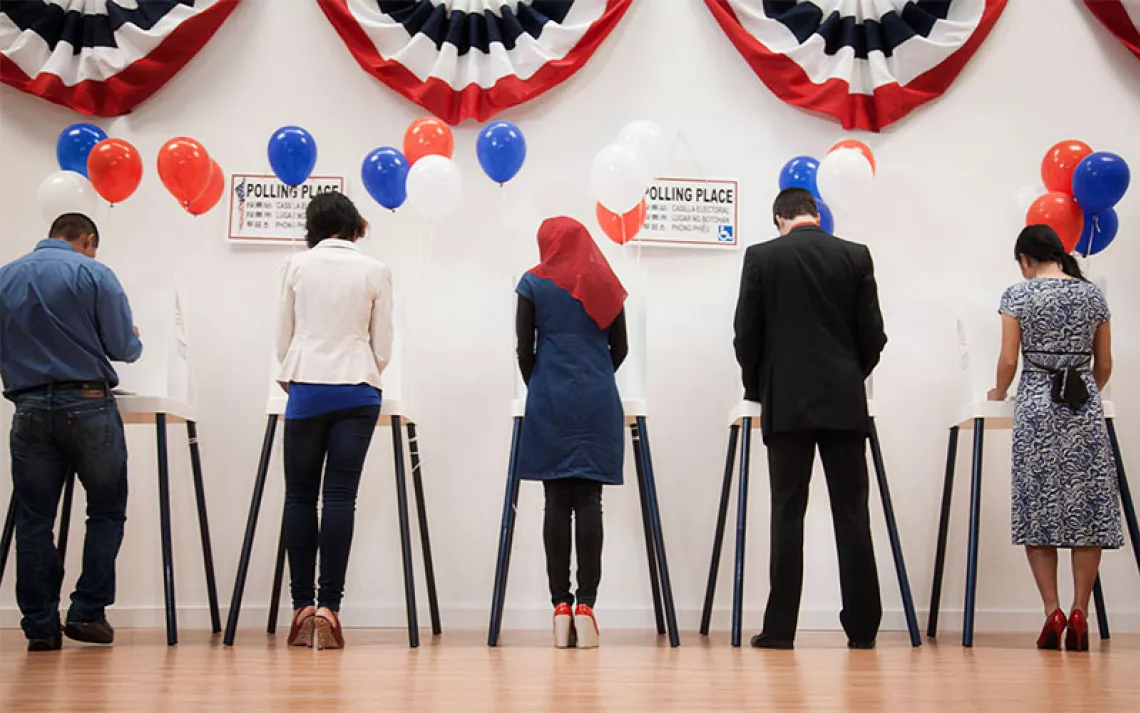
(571, 259)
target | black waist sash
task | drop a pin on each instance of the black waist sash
(1068, 386)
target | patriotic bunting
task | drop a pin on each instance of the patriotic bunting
(867, 63)
(1122, 18)
(463, 59)
(102, 57)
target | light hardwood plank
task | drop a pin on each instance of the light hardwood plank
(633, 671)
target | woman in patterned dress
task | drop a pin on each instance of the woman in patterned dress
(1065, 490)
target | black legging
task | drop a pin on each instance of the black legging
(583, 498)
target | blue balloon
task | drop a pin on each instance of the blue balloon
(501, 149)
(1100, 181)
(800, 172)
(826, 219)
(292, 154)
(1100, 231)
(74, 146)
(385, 175)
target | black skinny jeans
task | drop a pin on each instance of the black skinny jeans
(583, 499)
(336, 443)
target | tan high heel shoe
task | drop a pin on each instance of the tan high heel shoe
(328, 632)
(301, 632)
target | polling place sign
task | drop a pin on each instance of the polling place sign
(263, 210)
(690, 212)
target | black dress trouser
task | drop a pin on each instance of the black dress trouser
(583, 499)
(790, 460)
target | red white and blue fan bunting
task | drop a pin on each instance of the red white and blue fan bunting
(102, 57)
(867, 63)
(1122, 18)
(473, 58)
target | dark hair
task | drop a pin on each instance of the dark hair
(332, 215)
(1040, 243)
(792, 203)
(72, 227)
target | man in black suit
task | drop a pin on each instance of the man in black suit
(808, 334)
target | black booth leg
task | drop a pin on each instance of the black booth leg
(896, 541)
(718, 536)
(278, 581)
(943, 533)
(647, 527)
(425, 539)
(250, 530)
(1101, 610)
(1126, 501)
(7, 534)
(405, 533)
(506, 537)
(164, 522)
(741, 521)
(658, 535)
(975, 527)
(65, 518)
(204, 526)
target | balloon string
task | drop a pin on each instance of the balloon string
(1092, 238)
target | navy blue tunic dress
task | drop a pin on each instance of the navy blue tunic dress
(573, 424)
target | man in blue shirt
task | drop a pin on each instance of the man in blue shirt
(63, 319)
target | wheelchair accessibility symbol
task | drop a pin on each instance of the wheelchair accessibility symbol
(725, 234)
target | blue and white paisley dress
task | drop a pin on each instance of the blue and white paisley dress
(1065, 490)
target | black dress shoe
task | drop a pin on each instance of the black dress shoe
(53, 643)
(90, 632)
(764, 641)
(861, 645)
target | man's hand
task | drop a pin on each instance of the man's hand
(135, 329)
(997, 395)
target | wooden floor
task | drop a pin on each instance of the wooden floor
(631, 672)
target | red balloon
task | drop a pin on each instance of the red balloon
(115, 169)
(859, 146)
(206, 202)
(1060, 163)
(1060, 212)
(184, 167)
(621, 228)
(427, 136)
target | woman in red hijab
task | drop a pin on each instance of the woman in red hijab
(571, 340)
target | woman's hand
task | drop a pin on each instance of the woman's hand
(997, 395)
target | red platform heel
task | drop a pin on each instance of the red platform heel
(1077, 637)
(1051, 634)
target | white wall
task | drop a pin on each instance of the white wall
(942, 235)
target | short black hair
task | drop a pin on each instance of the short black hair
(72, 227)
(794, 202)
(332, 215)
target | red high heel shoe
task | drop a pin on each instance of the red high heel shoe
(1051, 634)
(1077, 637)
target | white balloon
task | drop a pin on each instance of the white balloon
(619, 178)
(66, 192)
(845, 179)
(435, 187)
(1026, 196)
(647, 140)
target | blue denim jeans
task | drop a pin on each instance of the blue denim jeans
(334, 445)
(55, 433)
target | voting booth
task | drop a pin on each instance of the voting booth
(156, 390)
(395, 415)
(979, 343)
(743, 420)
(631, 379)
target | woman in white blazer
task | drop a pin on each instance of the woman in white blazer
(334, 339)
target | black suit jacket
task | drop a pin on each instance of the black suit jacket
(809, 331)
